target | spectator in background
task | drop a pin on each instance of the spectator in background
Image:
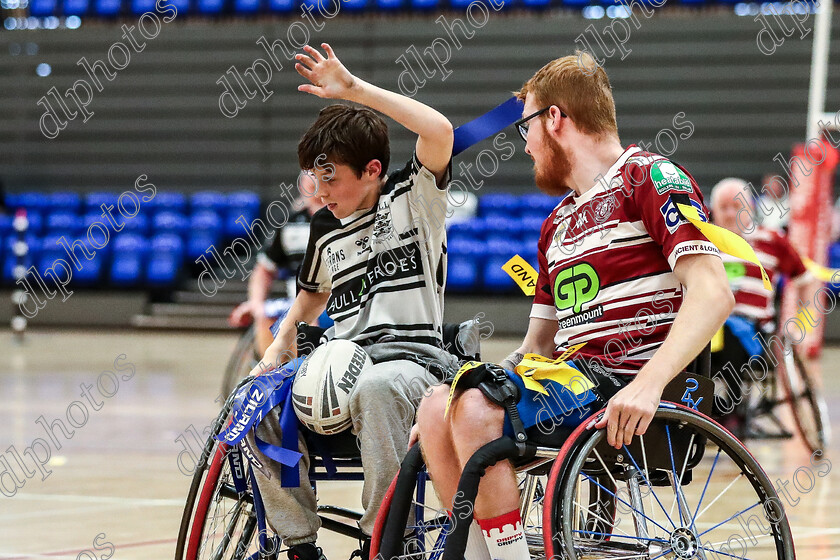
(775, 202)
(281, 259)
(755, 307)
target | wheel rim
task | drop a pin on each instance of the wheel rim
(224, 522)
(806, 402)
(729, 488)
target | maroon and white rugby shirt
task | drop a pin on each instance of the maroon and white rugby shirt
(606, 261)
(778, 257)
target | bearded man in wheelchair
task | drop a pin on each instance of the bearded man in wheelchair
(629, 292)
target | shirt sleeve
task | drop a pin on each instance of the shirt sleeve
(653, 184)
(314, 274)
(274, 257)
(790, 262)
(543, 306)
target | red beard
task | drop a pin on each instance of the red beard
(553, 177)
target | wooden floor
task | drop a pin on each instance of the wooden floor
(115, 487)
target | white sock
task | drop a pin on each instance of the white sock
(476, 547)
(505, 537)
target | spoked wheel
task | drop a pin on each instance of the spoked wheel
(428, 528)
(810, 413)
(218, 522)
(241, 362)
(684, 490)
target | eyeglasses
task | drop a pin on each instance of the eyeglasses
(522, 125)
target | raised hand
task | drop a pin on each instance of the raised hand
(330, 79)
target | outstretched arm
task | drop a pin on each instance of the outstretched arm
(330, 79)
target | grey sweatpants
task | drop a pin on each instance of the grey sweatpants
(382, 406)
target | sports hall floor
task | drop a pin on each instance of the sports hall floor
(116, 482)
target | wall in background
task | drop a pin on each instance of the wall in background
(160, 115)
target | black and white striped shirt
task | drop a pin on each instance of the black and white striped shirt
(384, 267)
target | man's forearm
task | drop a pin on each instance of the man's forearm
(417, 117)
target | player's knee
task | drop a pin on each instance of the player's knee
(473, 410)
(432, 407)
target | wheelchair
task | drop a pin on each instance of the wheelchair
(223, 516)
(761, 396)
(685, 489)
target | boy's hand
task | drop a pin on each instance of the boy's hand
(329, 77)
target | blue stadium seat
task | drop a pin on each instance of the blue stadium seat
(283, 6)
(76, 7)
(36, 222)
(9, 264)
(465, 256)
(208, 200)
(139, 7)
(240, 203)
(66, 201)
(244, 199)
(354, 5)
(210, 7)
(162, 271)
(107, 8)
(166, 259)
(170, 222)
(95, 200)
(536, 4)
(205, 220)
(42, 8)
(128, 258)
(494, 279)
(138, 224)
(424, 5)
(474, 228)
(168, 243)
(33, 200)
(5, 225)
(390, 5)
(503, 228)
(168, 201)
(183, 6)
(199, 242)
(247, 6)
(537, 204)
(504, 204)
(33, 248)
(64, 223)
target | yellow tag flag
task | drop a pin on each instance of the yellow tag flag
(717, 341)
(534, 368)
(468, 366)
(522, 273)
(818, 271)
(723, 239)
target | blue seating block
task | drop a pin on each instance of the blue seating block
(95, 200)
(170, 222)
(139, 7)
(208, 200)
(65, 201)
(390, 5)
(199, 242)
(107, 8)
(139, 224)
(33, 200)
(210, 7)
(247, 6)
(42, 8)
(168, 201)
(64, 223)
(283, 6)
(169, 244)
(162, 270)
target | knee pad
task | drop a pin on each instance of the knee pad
(490, 379)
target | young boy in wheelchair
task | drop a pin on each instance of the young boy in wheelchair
(620, 272)
(754, 315)
(376, 261)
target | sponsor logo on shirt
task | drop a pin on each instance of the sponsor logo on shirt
(333, 258)
(576, 285)
(672, 216)
(668, 177)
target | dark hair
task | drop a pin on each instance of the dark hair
(346, 135)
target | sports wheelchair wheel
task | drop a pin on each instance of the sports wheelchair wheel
(686, 489)
(218, 522)
(241, 361)
(806, 402)
(431, 524)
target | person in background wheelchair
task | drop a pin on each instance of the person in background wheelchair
(376, 260)
(281, 259)
(754, 315)
(620, 272)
